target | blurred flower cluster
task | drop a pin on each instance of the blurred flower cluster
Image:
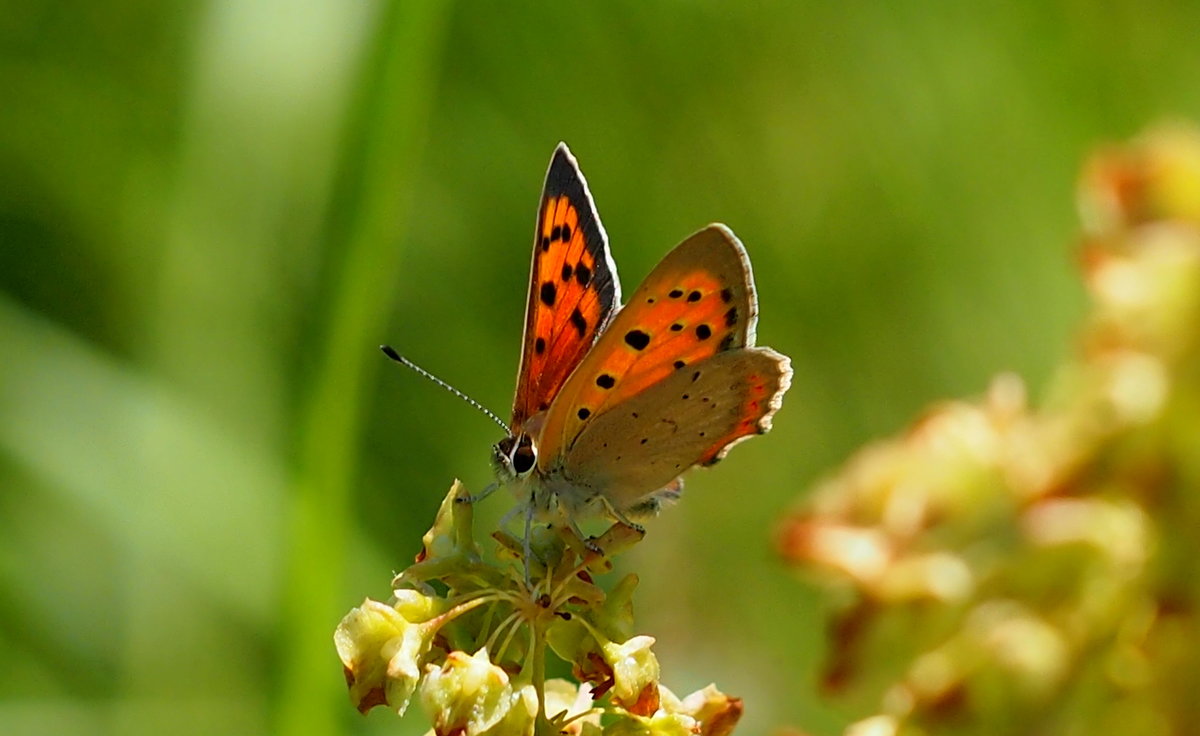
(1003, 568)
(469, 637)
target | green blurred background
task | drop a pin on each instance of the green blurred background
(212, 213)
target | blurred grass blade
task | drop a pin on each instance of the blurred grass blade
(370, 203)
(149, 468)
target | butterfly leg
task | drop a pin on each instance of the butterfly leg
(525, 509)
(587, 541)
(510, 515)
(491, 488)
(622, 518)
(528, 550)
(652, 504)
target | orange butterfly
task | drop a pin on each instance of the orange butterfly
(613, 405)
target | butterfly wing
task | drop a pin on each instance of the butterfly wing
(690, 322)
(573, 287)
(692, 417)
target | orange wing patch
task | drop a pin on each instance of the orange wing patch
(668, 330)
(573, 288)
(764, 393)
(699, 301)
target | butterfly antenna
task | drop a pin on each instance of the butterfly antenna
(389, 352)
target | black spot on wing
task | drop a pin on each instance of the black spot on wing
(578, 322)
(637, 339)
(548, 293)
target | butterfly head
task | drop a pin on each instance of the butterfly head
(514, 457)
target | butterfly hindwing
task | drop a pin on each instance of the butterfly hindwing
(692, 417)
(698, 302)
(573, 287)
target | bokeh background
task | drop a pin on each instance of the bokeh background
(212, 213)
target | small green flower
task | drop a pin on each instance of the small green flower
(615, 616)
(469, 695)
(635, 673)
(660, 723)
(570, 707)
(512, 614)
(451, 532)
(415, 606)
(716, 713)
(381, 653)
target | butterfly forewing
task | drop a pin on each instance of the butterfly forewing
(573, 288)
(691, 417)
(698, 302)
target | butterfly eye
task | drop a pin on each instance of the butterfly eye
(524, 458)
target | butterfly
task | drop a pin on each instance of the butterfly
(613, 404)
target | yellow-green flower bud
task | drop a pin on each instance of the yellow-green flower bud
(468, 695)
(570, 704)
(635, 673)
(415, 606)
(716, 713)
(661, 723)
(451, 533)
(381, 653)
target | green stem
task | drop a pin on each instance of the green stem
(591, 629)
(443, 618)
(537, 653)
(510, 619)
(516, 626)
